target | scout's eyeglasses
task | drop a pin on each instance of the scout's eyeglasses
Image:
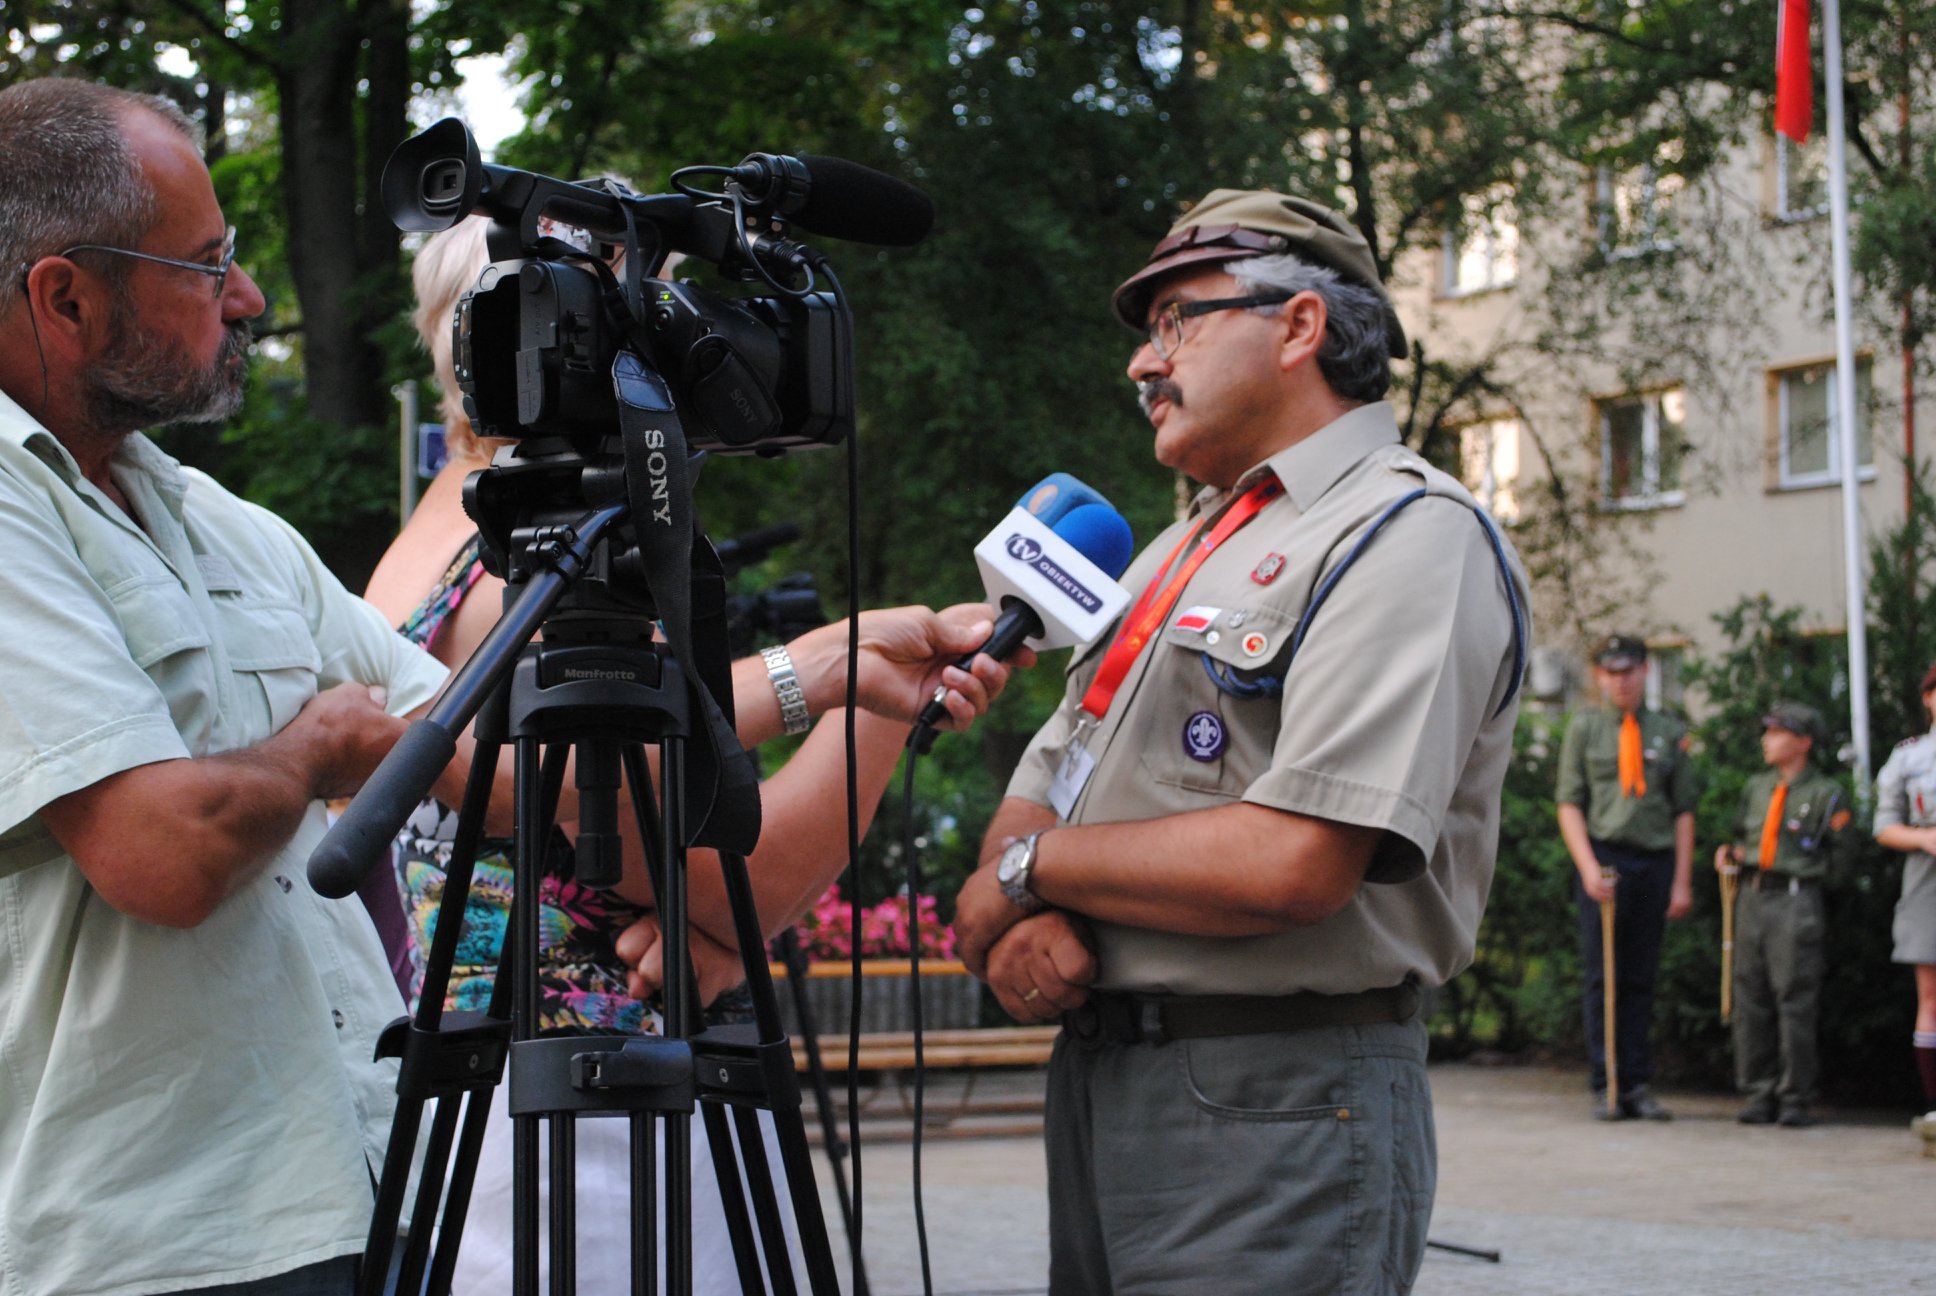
(1166, 329)
(220, 270)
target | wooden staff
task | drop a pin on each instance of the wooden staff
(1730, 881)
(1607, 971)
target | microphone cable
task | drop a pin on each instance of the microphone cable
(917, 1010)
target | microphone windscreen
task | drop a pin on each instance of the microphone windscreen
(1051, 498)
(851, 201)
(1100, 534)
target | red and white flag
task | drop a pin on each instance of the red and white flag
(1794, 88)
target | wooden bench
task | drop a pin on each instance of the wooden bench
(942, 1050)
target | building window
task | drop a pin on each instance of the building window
(1801, 178)
(1482, 247)
(1642, 439)
(1807, 418)
(1635, 207)
(1489, 464)
(1664, 676)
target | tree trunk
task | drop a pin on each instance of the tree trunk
(333, 255)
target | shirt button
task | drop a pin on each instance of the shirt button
(336, 1015)
(283, 882)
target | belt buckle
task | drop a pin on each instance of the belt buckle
(1084, 1025)
(1148, 1021)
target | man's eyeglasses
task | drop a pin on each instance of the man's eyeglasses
(1166, 330)
(220, 269)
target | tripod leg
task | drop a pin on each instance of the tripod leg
(759, 1179)
(677, 998)
(795, 1159)
(831, 1141)
(732, 1197)
(522, 944)
(645, 1204)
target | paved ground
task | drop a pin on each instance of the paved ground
(1698, 1207)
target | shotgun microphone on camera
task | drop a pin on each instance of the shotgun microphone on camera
(835, 197)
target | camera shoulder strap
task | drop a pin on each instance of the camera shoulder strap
(659, 488)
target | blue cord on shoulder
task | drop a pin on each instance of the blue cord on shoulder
(1331, 579)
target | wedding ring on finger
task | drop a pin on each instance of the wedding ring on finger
(1032, 995)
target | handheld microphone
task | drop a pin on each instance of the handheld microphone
(1051, 567)
(835, 197)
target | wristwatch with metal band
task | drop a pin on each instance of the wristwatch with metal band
(786, 687)
(1013, 871)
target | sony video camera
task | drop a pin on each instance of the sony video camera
(536, 338)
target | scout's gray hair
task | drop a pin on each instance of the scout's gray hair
(1355, 358)
(69, 175)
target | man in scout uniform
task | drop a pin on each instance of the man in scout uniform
(1265, 815)
(1791, 831)
(1627, 794)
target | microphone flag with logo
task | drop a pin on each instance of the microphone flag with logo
(1050, 568)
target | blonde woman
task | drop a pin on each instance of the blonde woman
(599, 964)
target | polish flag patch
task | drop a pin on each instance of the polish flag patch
(1197, 619)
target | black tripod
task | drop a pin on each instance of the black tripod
(601, 687)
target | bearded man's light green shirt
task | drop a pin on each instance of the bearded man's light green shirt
(178, 1108)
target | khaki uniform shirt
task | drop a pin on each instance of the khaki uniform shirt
(1590, 778)
(1390, 718)
(178, 1108)
(1906, 796)
(1906, 787)
(1814, 835)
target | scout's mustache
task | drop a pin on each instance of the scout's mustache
(1151, 390)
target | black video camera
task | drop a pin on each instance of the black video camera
(536, 338)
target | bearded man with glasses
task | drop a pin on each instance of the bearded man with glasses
(188, 1101)
(1262, 824)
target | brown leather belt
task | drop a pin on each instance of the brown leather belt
(1114, 1017)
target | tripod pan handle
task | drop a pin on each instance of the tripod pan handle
(365, 831)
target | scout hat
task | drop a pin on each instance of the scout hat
(1237, 224)
(1618, 652)
(1797, 718)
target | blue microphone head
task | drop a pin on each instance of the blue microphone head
(1099, 533)
(1054, 496)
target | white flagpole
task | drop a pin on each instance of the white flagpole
(1838, 206)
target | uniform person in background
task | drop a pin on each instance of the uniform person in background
(1791, 831)
(1258, 862)
(188, 1099)
(1627, 793)
(1905, 820)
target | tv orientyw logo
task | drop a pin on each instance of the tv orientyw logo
(1026, 550)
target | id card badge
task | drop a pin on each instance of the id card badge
(1072, 774)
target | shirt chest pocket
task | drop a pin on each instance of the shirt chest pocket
(168, 639)
(1211, 703)
(272, 653)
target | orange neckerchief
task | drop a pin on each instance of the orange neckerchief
(1771, 826)
(1146, 618)
(1633, 767)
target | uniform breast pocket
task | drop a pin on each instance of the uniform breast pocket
(1211, 705)
(168, 640)
(1919, 790)
(272, 654)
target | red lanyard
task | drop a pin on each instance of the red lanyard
(1153, 606)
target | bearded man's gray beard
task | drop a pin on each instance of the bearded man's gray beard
(141, 382)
